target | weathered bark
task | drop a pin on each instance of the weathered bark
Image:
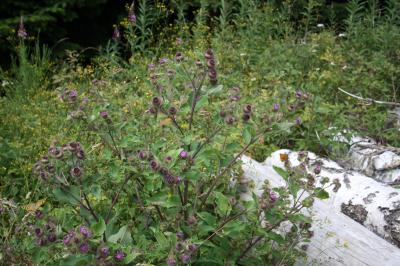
(343, 224)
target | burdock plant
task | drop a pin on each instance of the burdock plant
(163, 186)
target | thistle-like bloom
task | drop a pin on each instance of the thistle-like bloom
(132, 17)
(116, 34)
(191, 220)
(152, 110)
(246, 117)
(180, 235)
(84, 248)
(298, 121)
(76, 172)
(157, 101)
(67, 239)
(58, 153)
(104, 252)
(171, 261)
(143, 155)
(38, 232)
(172, 110)
(183, 154)
(104, 114)
(80, 154)
(52, 237)
(185, 258)
(21, 30)
(192, 248)
(276, 107)
(163, 61)
(209, 54)
(179, 57)
(151, 67)
(247, 108)
(178, 180)
(72, 94)
(119, 255)
(171, 72)
(273, 197)
(229, 120)
(85, 231)
(154, 165)
(39, 214)
(164, 171)
(317, 169)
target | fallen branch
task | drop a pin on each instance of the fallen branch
(368, 100)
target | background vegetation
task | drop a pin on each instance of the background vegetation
(270, 49)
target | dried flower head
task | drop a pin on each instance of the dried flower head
(172, 110)
(76, 172)
(21, 30)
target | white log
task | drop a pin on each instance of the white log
(338, 239)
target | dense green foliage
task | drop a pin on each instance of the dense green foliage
(276, 55)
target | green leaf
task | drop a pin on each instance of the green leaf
(223, 205)
(282, 172)
(70, 194)
(201, 103)
(246, 136)
(119, 236)
(208, 218)
(321, 193)
(130, 257)
(77, 260)
(215, 90)
(99, 228)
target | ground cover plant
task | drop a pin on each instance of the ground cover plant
(135, 158)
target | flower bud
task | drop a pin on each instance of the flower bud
(104, 252)
(143, 155)
(183, 154)
(209, 54)
(179, 57)
(317, 169)
(247, 108)
(76, 172)
(276, 107)
(172, 110)
(119, 255)
(171, 261)
(154, 165)
(185, 258)
(191, 220)
(84, 248)
(157, 101)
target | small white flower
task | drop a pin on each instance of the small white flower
(317, 69)
(253, 79)
(332, 63)
(242, 54)
(320, 25)
(342, 34)
(313, 50)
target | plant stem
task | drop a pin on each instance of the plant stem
(232, 162)
(91, 210)
(116, 199)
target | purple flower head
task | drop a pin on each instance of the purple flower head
(298, 121)
(183, 154)
(38, 232)
(58, 153)
(247, 108)
(211, 63)
(178, 180)
(39, 214)
(104, 252)
(169, 179)
(291, 107)
(273, 197)
(180, 235)
(85, 231)
(154, 165)
(163, 61)
(152, 110)
(21, 30)
(157, 101)
(119, 255)
(317, 169)
(116, 34)
(168, 158)
(44, 159)
(171, 72)
(80, 154)
(76, 172)
(276, 107)
(52, 237)
(143, 155)
(185, 258)
(192, 248)
(298, 94)
(230, 120)
(104, 114)
(72, 94)
(171, 261)
(179, 57)
(246, 117)
(151, 67)
(172, 110)
(209, 54)
(84, 248)
(198, 63)
(132, 17)
(302, 154)
(74, 146)
(67, 239)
